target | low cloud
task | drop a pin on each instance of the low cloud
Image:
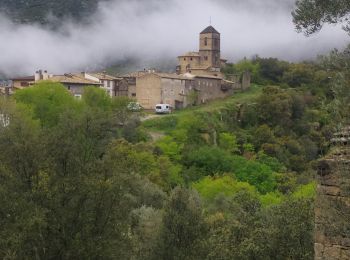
(160, 30)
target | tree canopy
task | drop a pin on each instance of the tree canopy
(310, 15)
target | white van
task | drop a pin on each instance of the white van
(163, 109)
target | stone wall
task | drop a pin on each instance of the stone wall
(210, 89)
(148, 90)
(174, 92)
(332, 208)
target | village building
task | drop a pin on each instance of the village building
(130, 78)
(76, 82)
(180, 91)
(160, 88)
(208, 60)
(22, 82)
(73, 82)
(114, 86)
(198, 78)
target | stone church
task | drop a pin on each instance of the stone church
(208, 60)
(198, 78)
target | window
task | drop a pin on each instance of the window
(206, 41)
(184, 58)
(191, 58)
(24, 84)
(205, 57)
(133, 94)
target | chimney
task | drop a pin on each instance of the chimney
(45, 75)
(37, 76)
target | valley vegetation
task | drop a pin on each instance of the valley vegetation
(234, 179)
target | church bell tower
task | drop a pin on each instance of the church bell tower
(209, 48)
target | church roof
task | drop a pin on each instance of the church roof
(209, 29)
(191, 54)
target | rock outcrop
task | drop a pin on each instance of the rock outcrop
(332, 209)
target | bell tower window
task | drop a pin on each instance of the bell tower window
(206, 41)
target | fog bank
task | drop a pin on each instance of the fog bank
(160, 30)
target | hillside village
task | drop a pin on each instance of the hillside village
(251, 171)
(198, 79)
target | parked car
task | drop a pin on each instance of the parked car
(163, 109)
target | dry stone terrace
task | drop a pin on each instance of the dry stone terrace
(332, 208)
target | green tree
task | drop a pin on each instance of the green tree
(286, 226)
(271, 69)
(210, 187)
(183, 226)
(146, 227)
(97, 98)
(298, 74)
(275, 107)
(310, 15)
(48, 100)
(66, 191)
(228, 142)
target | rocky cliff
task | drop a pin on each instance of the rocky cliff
(332, 210)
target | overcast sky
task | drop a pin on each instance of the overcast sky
(159, 29)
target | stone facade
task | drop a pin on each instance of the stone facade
(161, 88)
(208, 60)
(197, 80)
(210, 88)
(332, 208)
(179, 91)
(114, 86)
(131, 81)
(75, 83)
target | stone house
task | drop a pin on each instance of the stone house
(130, 78)
(198, 78)
(179, 91)
(114, 86)
(241, 82)
(157, 88)
(210, 87)
(75, 83)
(22, 82)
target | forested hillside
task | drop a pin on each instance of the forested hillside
(233, 179)
(28, 11)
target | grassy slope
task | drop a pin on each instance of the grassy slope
(165, 123)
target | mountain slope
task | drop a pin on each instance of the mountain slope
(27, 11)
